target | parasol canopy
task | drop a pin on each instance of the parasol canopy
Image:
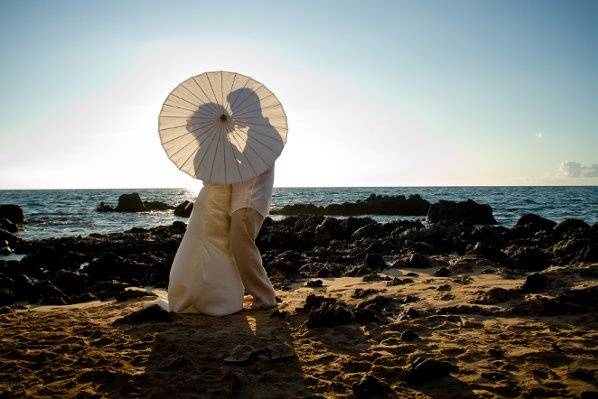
(222, 127)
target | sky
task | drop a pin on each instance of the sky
(377, 93)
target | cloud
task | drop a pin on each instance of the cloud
(538, 135)
(576, 169)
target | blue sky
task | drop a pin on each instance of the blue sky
(377, 93)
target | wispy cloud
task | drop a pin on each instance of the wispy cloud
(577, 170)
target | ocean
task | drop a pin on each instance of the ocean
(55, 213)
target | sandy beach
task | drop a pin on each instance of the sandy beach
(78, 351)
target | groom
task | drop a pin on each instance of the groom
(250, 201)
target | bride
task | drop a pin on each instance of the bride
(216, 290)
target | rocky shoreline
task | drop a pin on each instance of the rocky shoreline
(446, 308)
(74, 269)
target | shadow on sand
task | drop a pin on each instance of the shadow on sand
(187, 358)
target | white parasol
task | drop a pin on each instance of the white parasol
(222, 127)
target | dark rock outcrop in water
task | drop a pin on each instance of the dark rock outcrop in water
(531, 223)
(13, 213)
(466, 211)
(11, 218)
(8, 225)
(156, 206)
(8, 241)
(443, 211)
(184, 209)
(133, 203)
(414, 205)
(130, 203)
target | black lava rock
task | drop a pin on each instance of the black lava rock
(326, 312)
(71, 282)
(569, 225)
(467, 211)
(443, 272)
(156, 206)
(12, 212)
(409, 335)
(329, 229)
(103, 207)
(417, 260)
(363, 292)
(314, 283)
(184, 209)
(371, 387)
(533, 222)
(535, 282)
(375, 261)
(330, 314)
(413, 205)
(423, 370)
(8, 225)
(130, 203)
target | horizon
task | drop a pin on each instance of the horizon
(306, 187)
(392, 94)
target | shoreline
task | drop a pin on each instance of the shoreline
(446, 309)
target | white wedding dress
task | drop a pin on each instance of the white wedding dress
(204, 277)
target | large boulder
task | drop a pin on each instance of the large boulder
(371, 387)
(532, 223)
(12, 212)
(570, 225)
(372, 230)
(26, 288)
(71, 282)
(130, 203)
(184, 209)
(466, 211)
(330, 229)
(530, 258)
(424, 369)
(326, 312)
(9, 238)
(8, 225)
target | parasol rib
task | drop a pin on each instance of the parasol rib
(212, 87)
(259, 108)
(209, 101)
(186, 145)
(246, 122)
(230, 91)
(204, 154)
(182, 99)
(189, 132)
(177, 106)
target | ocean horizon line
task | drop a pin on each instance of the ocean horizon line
(300, 187)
